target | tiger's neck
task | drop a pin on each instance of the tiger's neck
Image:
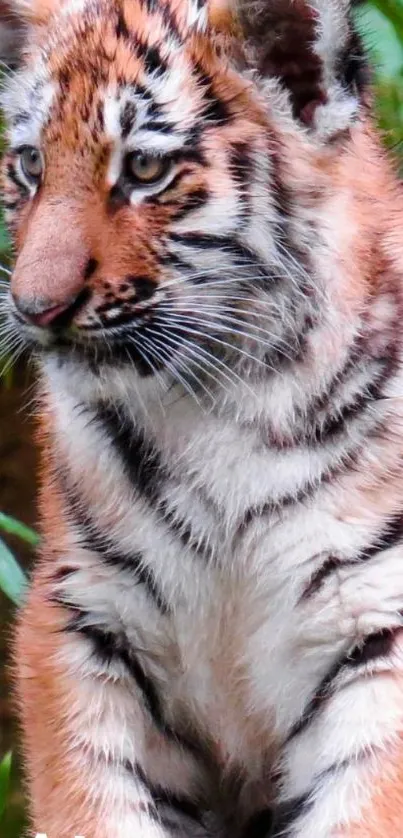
(272, 423)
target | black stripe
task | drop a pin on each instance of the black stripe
(287, 813)
(142, 461)
(168, 18)
(12, 175)
(144, 469)
(244, 257)
(196, 200)
(153, 61)
(163, 796)
(259, 825)
(320, 576)
(9, 205)
(204, 241)
(344, 462)
(127, 119)
(271, 507)
(325, 421)
(92, 539)
(318, 699)
(100, 116)
(122, 30)
(90, 268)
(284, 201)
(188, 153)
(372, 647)
(21, 117)
(391, 535)
(192, 149)
(174, 261)
(335, 424)
(186, 536)
(160, 125)
(185, 267)
(352, 67)
(109, 647)
(215, 109)
(295, 340)
(164, 196)
(241, 171)
(63, 572)
(361, 354)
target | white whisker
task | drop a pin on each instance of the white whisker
(184, 320)
(222, 316)
(177, 345)
(138, 393)
(163, 356)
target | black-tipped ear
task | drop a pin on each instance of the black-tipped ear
(312, 48)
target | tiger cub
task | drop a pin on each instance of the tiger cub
(209, 273)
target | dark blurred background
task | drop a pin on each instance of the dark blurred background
(381, 23)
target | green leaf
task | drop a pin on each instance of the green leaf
(12, 579)
(381, 38)
(393, 10)
(5, 771)
(13, 527)
(4, 239)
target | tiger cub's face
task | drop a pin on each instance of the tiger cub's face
(159, 158)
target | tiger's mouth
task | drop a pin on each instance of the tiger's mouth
(174, 340)
(149, 342)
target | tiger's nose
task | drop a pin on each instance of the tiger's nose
(53, 266)
(42, 313)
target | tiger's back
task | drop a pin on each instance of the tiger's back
(209, 267)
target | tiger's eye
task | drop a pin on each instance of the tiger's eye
(145, 168)
(31, 163)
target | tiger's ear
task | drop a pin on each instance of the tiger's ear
(311, 47)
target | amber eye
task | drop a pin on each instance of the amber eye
(145, 168)
(31, 163)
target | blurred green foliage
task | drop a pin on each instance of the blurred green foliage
(12, 583)
(5, 770)
(381, 25)
(12, 579)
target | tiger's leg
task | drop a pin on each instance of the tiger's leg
(346, 785)
(342, 763)
(98, 765)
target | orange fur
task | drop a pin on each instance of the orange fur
(348, 185)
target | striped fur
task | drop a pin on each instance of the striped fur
(212, 645)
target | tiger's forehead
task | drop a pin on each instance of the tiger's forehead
(132, 67)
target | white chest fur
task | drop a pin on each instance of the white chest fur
(232, 548)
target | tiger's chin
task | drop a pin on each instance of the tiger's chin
(159, 354)
(87, 381)
(98, 356)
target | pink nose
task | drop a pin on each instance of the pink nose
(38, 313)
